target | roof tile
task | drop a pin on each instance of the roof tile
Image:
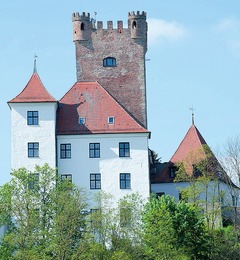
(34, 91)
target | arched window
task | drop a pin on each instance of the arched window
(134, 25)
(82, 26)
(109, 62)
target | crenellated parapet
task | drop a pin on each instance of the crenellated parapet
(84, 25)
(84, 16)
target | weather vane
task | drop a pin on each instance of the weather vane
(35, 63)
(192, 109)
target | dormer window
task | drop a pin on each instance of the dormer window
(111, 119)
(109, 62)
(81, 121)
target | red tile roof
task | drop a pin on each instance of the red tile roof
(91, 101)
(33, 92)
(192, 142)
(191, 147)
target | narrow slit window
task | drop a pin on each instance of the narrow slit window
(134, 25)
(82, 26)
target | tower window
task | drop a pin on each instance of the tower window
(134, 25)
(109, 62)
(33, 149)
(82, 26)
(32, 117)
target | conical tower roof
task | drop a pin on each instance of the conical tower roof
(34, 91)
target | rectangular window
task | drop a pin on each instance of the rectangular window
(81, 120)
(94, 150)
(111, 119)
(33, 149)
(33, 181)
(32, 117)
(125, 216)
(160, 194)
(125, 181)
(65, 151)
(67, 177)
(124, 149)
(95, 181)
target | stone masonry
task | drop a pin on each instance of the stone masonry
(126, 81)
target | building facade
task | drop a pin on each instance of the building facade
(96, 134)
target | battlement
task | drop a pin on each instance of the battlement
(138, 14)
(77, 17)
(110, 25)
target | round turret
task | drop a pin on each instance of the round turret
(137, 24)
(82, 26)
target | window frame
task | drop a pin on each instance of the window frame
(81, 120)
(111, 118)
(32, 118)
(94, 152)
(109, 62)
(95, 181)
(65, 153)
(33, 152)
(67, 177)
(125, 181)
(125, 150)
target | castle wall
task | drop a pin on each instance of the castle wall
(22, 134)
(109, 165)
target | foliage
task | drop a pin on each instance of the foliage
(42, 214)
(173, 230)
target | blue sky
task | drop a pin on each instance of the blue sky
(193, 52)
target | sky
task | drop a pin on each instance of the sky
(193, 60)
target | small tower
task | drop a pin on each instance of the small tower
(137, 25)
(82, 26)
(33, 125)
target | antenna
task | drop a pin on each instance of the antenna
(192, 109)
(93, 20)
(35, 63)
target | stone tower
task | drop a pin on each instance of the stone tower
(115, 57)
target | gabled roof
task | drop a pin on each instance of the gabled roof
(34, 91)
(92, 102)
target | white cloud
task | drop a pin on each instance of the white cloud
(161, 30)
(229, 28)
(229, 25)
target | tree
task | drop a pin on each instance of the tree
(173, 230)
(203, 173)
(43, 214)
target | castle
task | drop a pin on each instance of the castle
(96, 134)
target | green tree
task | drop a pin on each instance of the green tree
(43, 215)
(173, 230)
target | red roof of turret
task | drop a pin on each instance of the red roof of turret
(191, 147)
(192, 142)
(33, 92)
(92, 102)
